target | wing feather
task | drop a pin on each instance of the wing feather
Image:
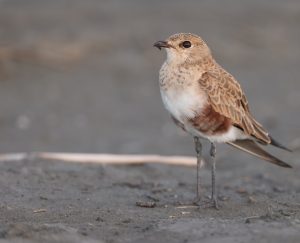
(227, 98)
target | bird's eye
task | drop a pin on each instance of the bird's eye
(186, 44)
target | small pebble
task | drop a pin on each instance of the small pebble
(145, 204)
(241, 190)
(251, 199)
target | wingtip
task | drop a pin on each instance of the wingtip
(278, 162)
(252, 148)
(285, 165)
(279, 145)
(288, 166)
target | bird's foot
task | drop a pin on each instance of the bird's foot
(191, 203)
(196, 201)
(199, 202)
(211, 203)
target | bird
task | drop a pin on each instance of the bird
(207, 102)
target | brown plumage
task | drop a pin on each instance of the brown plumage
(208, 102)
(221, 103)
(227, 98)
(211, 122)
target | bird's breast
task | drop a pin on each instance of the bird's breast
(183, 103)
(180, 92)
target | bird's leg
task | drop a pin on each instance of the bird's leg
(198, 148)
(214, 199)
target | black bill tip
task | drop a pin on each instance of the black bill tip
(162, 44)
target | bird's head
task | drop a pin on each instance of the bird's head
(184, 47)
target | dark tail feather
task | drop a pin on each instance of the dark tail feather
(278, 145)
(251, 147)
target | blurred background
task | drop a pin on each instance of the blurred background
(82, 76)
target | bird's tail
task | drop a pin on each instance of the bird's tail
(251, 147)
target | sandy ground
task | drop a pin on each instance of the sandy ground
(81, 76)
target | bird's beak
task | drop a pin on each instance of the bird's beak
(162, 44)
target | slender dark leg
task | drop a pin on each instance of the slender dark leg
(198, 148)
(213, 176)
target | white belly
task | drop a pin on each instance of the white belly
(183, 104)
(231, 135)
